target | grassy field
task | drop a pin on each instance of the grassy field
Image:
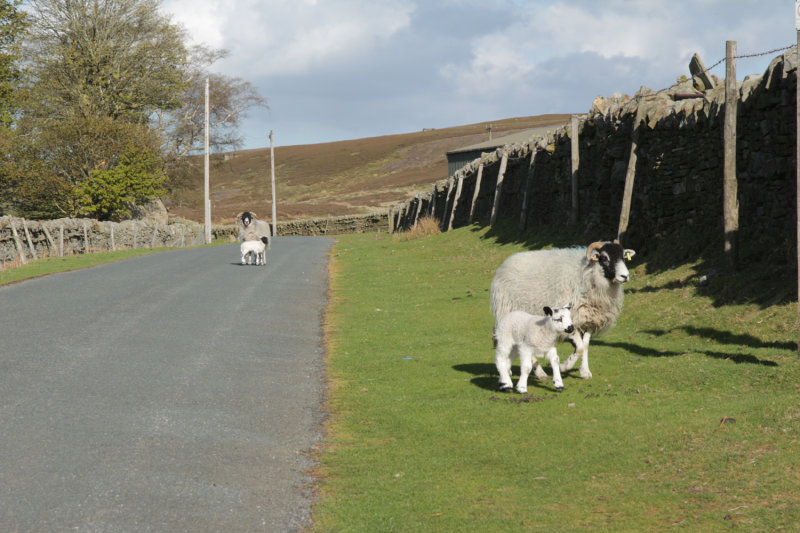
(692, 419)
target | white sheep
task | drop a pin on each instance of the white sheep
(531, 335)
(256, 248)
(591, 278)
(251, 228)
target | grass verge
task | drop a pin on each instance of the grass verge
(691, 419)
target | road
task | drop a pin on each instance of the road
(178, 391)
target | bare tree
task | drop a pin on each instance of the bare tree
(230, 99)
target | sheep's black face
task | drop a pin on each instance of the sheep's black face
(247, 217)
(611, 258)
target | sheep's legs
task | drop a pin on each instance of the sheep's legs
(525, 367)
(502, 360)
(552, 356)
(581, 344)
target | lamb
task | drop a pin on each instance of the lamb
(251, 228)
(256, 248)
(591, 278)
(531, 335)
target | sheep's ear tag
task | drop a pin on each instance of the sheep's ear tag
(595, 256)
(628, 256)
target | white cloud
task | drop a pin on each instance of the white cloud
(290, 37)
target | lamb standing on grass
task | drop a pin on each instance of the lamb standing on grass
(257, 248)
(531, 335)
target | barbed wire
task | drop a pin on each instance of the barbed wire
(707, 69)
(744, 56)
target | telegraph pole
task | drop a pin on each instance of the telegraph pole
(206, 195)
(272, 165)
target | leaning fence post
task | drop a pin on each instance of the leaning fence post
(49, 239)
(455, 202)
(630, 175)
(30, 241)
(498, 187)
(576, 159)
(475, 194)
(61, 240)
(18, 243)
(523, 216)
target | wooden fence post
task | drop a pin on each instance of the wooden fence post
(432, 211)
(498, 189)
(18, 243)
(455, 202)
(113, 244)
(630, 175)
(28, 238)
(730, 201)
(523, 216)
(85, 238)
(49, 239)
(573, 216)
(797, 163)
(61, 240)
(446, 213)
(475, 194)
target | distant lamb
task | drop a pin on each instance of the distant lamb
(531, 335)
(591, 278)
(256, 249)
(251, 228)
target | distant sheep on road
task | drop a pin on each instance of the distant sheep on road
(251, 228)
(257, 249)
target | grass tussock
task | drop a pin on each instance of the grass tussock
(690, 421)
(425, 227)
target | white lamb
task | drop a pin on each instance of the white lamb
(257, 248)
(531, 335)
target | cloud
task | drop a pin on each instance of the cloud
(290, 37)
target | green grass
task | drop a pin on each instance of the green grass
(419, 439)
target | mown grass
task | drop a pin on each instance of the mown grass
(419, 439)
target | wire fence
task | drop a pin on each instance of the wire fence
(708, 69)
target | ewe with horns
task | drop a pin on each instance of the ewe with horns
(591, 278)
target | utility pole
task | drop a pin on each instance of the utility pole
(206, 196)
(272, 165)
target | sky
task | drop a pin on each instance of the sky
(335, 70)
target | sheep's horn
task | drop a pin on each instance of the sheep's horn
(594, 246)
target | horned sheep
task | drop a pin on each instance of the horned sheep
(591, 278)
(251, 228)
(531, 335)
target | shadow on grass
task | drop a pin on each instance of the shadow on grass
(486, 377)
(727, 337)
(730, 356)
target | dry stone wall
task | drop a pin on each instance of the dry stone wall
(678, 175)
(22, 240)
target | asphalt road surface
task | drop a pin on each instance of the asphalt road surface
(178, 391)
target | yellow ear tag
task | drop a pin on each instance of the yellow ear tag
(628, 256)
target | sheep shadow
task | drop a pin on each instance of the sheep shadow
(486, 377)
(643, 351)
